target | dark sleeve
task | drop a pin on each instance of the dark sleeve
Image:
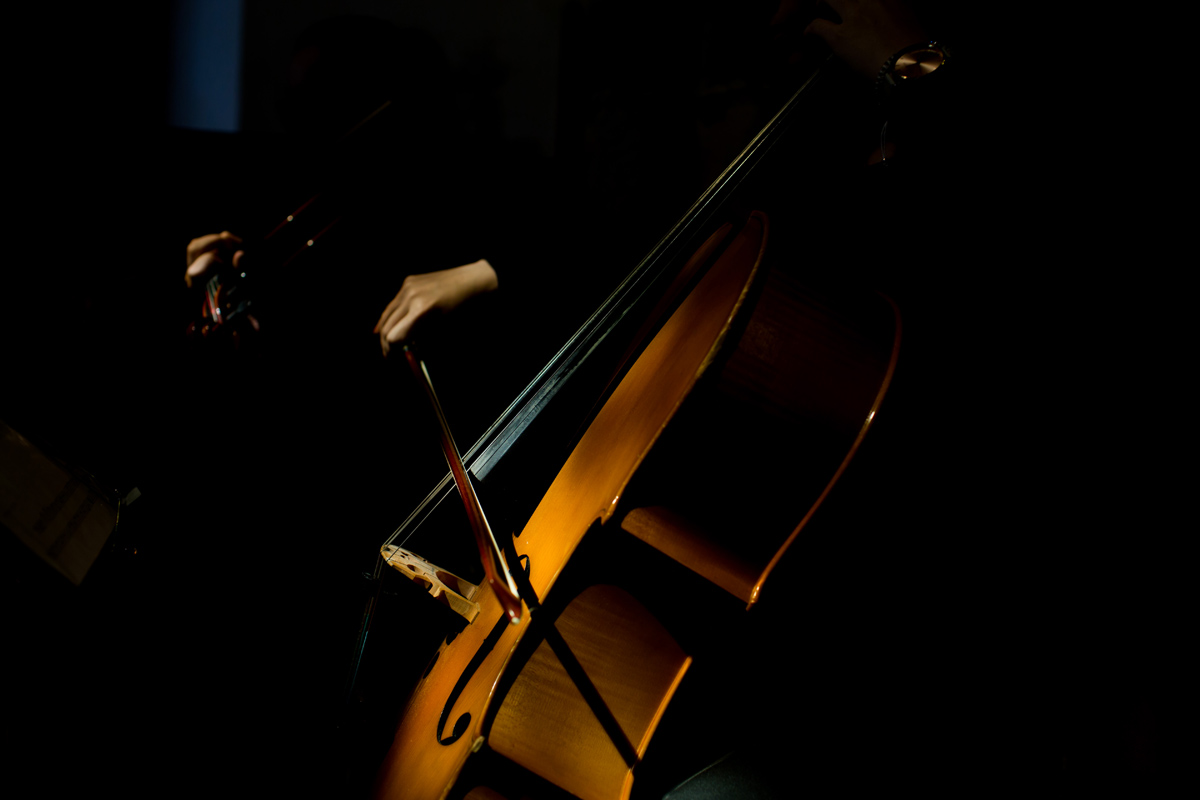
(930, 120)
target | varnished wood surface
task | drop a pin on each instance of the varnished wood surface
(673, 534)
(544, 723)
(484, 793)
(794, 398)
(588, 487)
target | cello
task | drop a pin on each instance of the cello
(572, 683)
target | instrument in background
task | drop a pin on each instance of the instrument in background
(231, 293)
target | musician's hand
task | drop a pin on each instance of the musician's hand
(871, 32)
(432, 292)
(205, 251)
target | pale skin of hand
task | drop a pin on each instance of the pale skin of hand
(205, 251)
(430, 292)
(871, 32)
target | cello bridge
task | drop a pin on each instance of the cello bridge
(443, 586)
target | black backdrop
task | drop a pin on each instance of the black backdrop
(1044, 550)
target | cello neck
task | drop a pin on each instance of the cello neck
(540, 393)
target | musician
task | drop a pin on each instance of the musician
(326, 63)
(302, 458)
(341, 71)
(869, 34)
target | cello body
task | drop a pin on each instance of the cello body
(757, 347)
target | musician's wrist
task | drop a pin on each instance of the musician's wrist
(483, 276)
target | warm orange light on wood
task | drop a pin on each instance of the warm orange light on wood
(588, 487)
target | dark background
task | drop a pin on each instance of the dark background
(1035, 536)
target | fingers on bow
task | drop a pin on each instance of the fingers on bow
(398, 319)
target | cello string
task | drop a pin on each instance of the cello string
(496, 440)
